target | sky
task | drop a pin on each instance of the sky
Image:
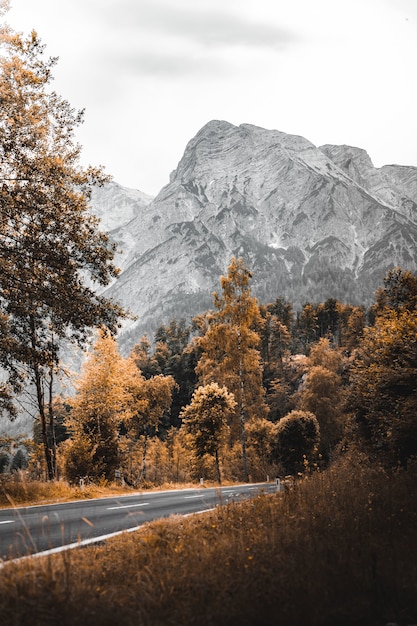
(151, 73)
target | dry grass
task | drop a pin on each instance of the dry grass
(19, 491)
(338, 549)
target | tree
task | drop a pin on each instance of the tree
(297, 439)
(306, 328)
(328, 318)
(351, 324)
(61, 409)
(383, 390)
(173, 356)
(150, 400)
(275, 340)
(282, 310)
(229, 349)
(102, 402)
(52, 253)
(206, 418)
(322, 353)
(321, 394)
(260, 441)
(399, 292)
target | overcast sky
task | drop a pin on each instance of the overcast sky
(151, 73)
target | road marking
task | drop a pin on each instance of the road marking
(7, 521)
(126, 506)
(200, 495)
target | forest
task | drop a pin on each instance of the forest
(244, 392)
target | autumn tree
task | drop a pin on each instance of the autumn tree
(206, 417)
(383, 389)
(260, 435)
(321, 394)
(275, 341)
(174, 356)
(306, 327)
(52, 253)
(150, 400)
(230, 354)
(398, 293)
(102, 402)
(297, 439)
(352, 321)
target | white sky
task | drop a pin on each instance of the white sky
(151, 73)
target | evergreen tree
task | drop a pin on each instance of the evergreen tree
(174, 356)
(399, 292)
(306, 328)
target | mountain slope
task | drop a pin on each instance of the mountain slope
(310, 222)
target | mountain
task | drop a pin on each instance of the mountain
(116, 206)
(311, 223)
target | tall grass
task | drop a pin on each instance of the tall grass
(338, 548)
(18, 491)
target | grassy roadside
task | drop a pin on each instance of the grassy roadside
(21, 492)
(340, 548)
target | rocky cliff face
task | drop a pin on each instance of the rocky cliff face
(116, 207)
(310, 222)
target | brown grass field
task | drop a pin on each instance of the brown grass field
(339, 548)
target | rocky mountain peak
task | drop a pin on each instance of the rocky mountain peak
(310, 222)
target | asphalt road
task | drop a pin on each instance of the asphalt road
(33, 529)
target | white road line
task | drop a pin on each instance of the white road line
(7, 521)
(126, 506)
(190, 497)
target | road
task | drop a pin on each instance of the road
(34, 529)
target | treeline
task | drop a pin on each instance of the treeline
(246, 391)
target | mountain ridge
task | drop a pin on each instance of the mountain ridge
(311, 223)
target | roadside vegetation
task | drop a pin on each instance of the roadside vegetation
(337, 548)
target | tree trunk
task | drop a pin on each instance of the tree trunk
(219, 478)
(242, 412)
(145, 446)
(52, 434)
(41, 404)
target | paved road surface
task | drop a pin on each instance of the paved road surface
(33, 529)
